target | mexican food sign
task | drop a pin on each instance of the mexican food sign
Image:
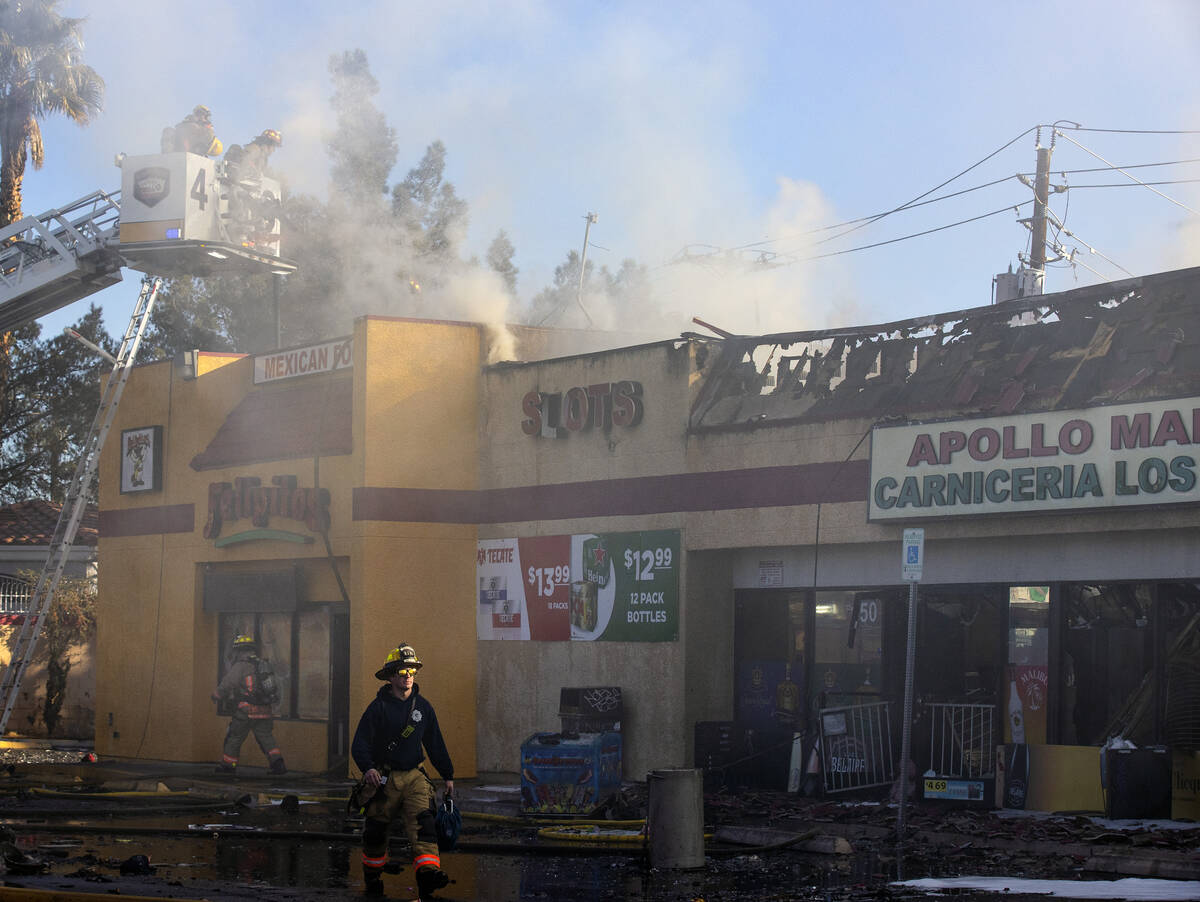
(613, 586)
(1126, 455)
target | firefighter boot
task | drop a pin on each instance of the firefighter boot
(429, 880)
(278, 767)
(372, 881)
(373, 887)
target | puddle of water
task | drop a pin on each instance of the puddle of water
(227, 854)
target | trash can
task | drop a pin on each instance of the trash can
(675, 818)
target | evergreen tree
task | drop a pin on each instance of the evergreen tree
(362, 151)
(557, 303)
(500, 260)
(50, 401)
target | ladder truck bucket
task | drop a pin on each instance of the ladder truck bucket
(183, 213)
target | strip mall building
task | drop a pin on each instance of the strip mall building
(715, 526)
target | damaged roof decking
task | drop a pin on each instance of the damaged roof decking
(1120, 341)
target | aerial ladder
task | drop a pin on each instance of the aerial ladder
(176, 213)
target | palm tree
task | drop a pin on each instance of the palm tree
(41, 74)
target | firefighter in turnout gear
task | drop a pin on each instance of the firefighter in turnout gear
(244, 683)
(253, 213)
(250, 162)
(194, 134)
(394, 734)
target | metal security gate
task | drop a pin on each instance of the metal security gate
(14, 595)
(962, 740)
(856, 747)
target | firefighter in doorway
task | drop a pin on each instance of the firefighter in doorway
(395, 732)
(251, 685)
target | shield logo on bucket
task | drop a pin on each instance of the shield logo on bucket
(152, 184)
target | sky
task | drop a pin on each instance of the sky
(715, 142)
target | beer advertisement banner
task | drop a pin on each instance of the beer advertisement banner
(614, 587)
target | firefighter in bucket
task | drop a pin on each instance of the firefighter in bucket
(394, 734)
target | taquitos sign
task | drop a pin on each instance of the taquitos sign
(246, 498)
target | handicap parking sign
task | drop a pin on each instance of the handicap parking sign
(914, 555)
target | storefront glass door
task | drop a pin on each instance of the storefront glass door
(1108, 663)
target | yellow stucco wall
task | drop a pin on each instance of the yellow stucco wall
(416, 413)
(415, 426)
(157, 660)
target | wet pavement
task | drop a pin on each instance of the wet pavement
(74, 826)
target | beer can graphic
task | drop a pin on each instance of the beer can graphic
(575, 606)
(506, 610)
(583, 607)
(493, 590)
(595, 561)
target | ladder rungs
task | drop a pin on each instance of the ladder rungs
(69, 517)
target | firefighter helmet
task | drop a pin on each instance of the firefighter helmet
(215, 148)
(400, 658)
(202, 113)
(270, 136)
(240, 642)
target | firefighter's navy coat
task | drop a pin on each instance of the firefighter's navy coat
(385, 720)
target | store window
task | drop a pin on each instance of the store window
(961, 653)
(1028, 664)
(297, 645)
(1179, 607)
(769, 654)
(848, 645)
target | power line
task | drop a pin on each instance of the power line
(864, 219)
(920, 200)
(1063, 230)
(1125, 131)
(925, 194)
(1124, 166)
(1123, 172)
(1071, 261)
(1134, 185)
(864, 247)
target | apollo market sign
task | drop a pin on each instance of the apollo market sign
(1105, 457)
(322, 358)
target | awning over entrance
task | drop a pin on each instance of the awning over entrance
(284, 422)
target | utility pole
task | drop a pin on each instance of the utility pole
(1041, 196)
(591, 217)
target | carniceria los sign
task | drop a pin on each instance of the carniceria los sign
(322, 358)
(1124, 455)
